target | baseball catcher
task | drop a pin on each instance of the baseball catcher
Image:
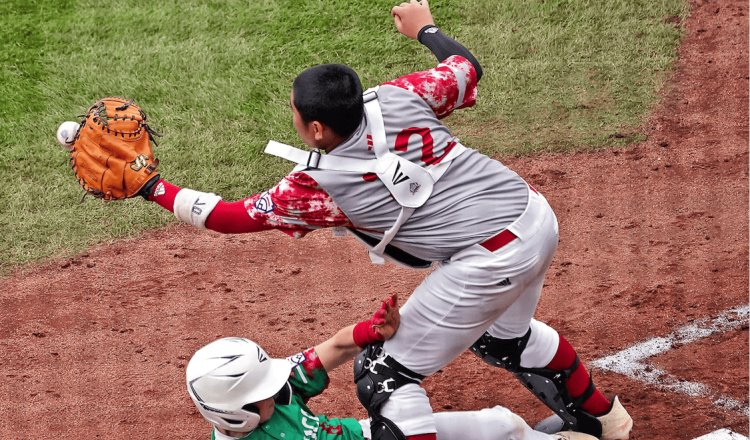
(111, 152)
(385, 167)
(246, 394)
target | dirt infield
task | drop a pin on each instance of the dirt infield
(652, 237)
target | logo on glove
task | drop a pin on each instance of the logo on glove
(139, 162)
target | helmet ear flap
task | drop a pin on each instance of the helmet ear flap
(284, 396)
(251, 419)
(253, 416)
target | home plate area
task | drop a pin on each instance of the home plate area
(638, 363)
(722, 434)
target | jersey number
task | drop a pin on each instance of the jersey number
(428, 156)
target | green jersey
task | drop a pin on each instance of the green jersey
(295, 421)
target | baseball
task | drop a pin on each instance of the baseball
(66, 133)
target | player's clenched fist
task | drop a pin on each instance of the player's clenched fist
(411, 17)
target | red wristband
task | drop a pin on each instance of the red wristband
(363, 334)
(164, 193)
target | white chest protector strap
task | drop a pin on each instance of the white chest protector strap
(313, 159)
(409, 184)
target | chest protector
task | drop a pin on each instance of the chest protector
(410, 184)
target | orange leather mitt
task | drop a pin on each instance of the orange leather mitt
(111, 153)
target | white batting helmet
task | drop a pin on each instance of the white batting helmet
(228, 374)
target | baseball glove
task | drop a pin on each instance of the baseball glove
(111, 154)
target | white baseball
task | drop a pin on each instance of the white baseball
(66, 133)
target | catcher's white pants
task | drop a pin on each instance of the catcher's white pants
(496, 423)
(473, 292)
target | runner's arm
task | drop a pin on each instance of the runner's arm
(348, 341)
(310, 368)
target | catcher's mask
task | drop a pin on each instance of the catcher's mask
(226, 377)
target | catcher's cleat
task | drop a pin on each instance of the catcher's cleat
(572, 435)
(616, 424)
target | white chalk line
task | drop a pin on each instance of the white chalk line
(722, 434)
(632, 363)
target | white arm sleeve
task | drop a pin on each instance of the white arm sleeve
(193, 207)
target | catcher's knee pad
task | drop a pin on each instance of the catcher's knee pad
(377, 376)
(504, 353)
(548, 385)
(382, 428)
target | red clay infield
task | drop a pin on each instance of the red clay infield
(653, 236)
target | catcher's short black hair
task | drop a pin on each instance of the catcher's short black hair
(331, 94)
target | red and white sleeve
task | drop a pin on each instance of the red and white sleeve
(449, 86)
(295, 206)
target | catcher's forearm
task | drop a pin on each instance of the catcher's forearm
(204, 210)
(443, 46)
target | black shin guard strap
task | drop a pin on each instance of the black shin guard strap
(382, 428)
(548, 385)
(377, 376)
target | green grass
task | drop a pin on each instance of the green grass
(569, 75)
(215, 78)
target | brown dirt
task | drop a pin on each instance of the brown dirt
(732, 347)
(652, 236)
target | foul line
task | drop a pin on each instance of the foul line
(632, 361)
(722, 434)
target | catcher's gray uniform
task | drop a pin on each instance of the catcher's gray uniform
(402, 179)
(481, 282)
(491, 235)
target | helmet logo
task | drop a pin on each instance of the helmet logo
(261, 356)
